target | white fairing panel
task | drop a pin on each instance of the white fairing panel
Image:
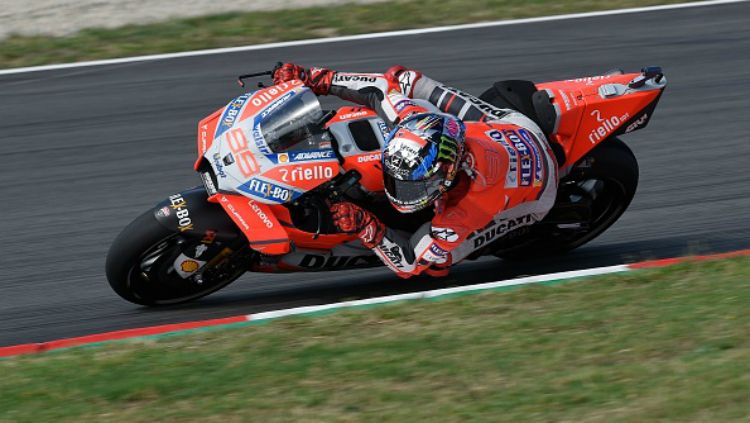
(267, 147)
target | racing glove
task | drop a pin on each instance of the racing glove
(351, 218)
(318, 79)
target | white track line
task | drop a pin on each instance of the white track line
(159, 330)
(368, 36)
(440, 292)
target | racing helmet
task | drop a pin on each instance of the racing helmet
(421, 158)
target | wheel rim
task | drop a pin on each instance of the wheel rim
(609, 199)
(153, 279)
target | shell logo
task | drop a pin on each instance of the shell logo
(283, 158)
(189, 266)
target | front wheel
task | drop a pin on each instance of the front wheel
(589, 200)
(140, 265)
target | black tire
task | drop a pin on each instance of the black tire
(141, 238)
(611, 164)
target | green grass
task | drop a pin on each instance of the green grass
(260, 27)
(668, 345)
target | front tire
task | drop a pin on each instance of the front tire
(139, 266)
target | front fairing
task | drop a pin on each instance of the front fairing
(267, 145)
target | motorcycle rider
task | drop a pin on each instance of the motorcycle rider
(479, 166)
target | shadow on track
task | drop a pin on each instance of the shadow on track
(328, 287)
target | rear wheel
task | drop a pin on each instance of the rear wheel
(140, 265)
(590, 199)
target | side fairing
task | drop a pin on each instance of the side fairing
(360, 135)
(350, 255)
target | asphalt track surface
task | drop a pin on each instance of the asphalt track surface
(84, 151)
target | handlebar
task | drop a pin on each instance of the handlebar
(256, 74)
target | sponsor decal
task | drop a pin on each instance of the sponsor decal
(219, 166)
(498, 229)
(267, 190)
(532, 142)
(483, 107)
(446, 234)
(392, 253)
(179, 205)
(448, 149)
(590, 79)
(276, 104)
(399, 151)
(434, 254)
(353, 115)
(402, 149)
(342, 77)
(310, 173)
(320, 262)
(312, 155)
(283, 157)
(268, 95)
(393, 168)
(369, 157)
(189, 266)
(435, 249)
(635, 125)
(204, 137)
(260, 140)
(404, 81)
(524, 157)
(236, 214)
(261, 214)
(231, 113)
(565, 99)
(606, 125)
(495, 135)
(383, 128)
(164, 212)
(245, 158)
(200, 249)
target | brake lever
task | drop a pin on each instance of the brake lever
(240, 79)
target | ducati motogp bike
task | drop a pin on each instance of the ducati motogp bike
(272, 160)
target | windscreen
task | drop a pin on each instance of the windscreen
(295, 125)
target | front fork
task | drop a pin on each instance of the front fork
(209, 236)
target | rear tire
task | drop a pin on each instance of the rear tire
(146, 241)
(611, 173)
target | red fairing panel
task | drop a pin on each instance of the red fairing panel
(206, 129)
(257, 221)
(594, 108)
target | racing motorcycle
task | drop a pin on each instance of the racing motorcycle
(272, 161)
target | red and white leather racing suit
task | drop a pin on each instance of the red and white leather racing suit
(508, 180)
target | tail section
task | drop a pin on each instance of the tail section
(589, 110)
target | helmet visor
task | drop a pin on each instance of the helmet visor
(414, 195)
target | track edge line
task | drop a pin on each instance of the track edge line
(366, 36)
(180, 328)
